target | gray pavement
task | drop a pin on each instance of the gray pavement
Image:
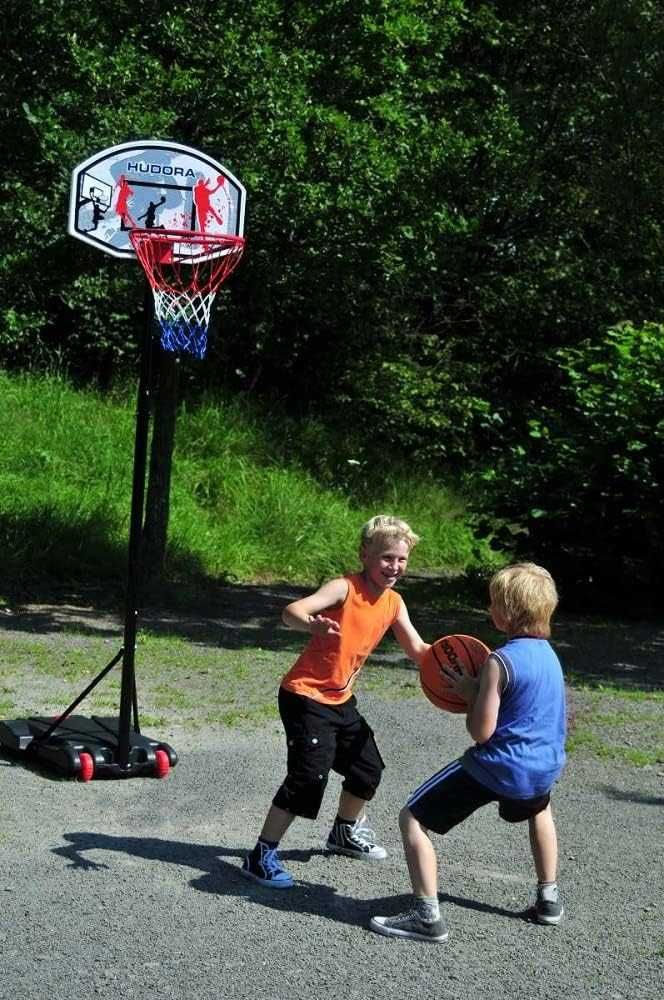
(131, 888)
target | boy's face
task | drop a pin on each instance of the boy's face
(384, 561)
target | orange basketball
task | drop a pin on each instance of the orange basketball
(455, 651)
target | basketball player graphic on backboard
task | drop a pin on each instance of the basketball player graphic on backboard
(121, 206)
(150, 214)
(202, 195)
(98, 212)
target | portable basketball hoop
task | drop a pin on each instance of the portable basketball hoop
(185, 270)
(193, 208)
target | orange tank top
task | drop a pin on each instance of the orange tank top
(328, 665)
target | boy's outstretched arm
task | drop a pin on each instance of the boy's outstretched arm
(408, 637)
(305, 615)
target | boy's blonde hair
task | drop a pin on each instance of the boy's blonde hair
(526, 597)
(385, 527)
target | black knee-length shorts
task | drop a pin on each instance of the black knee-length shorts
(323, 738)
(450, 796)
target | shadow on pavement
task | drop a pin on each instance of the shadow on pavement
(223, 878)
(618, 795)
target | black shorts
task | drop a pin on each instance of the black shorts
(451, 795)
(323, 738)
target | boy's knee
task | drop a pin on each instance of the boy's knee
(410, 826)
(362, 770)
(406, 819)
(301, 797)
(363, 785)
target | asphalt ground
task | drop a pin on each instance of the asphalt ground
(130, 888)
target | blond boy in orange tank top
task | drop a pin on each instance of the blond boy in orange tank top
(346, 618)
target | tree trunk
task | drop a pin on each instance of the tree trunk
(157, 507)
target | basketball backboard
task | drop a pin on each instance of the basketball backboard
(152, 185)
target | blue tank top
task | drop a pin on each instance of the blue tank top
(526, 753)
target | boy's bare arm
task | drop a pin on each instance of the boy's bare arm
(484, 702)
(482, 696)
(305, 615)
(408, 637)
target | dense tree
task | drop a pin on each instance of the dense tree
(441, 194)
(589, 475)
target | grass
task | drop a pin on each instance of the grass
(627, 692)
(587, 740)
(180, 682)
(196, 685)
(617, 723)
(242, 506)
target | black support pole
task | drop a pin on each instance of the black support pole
(134, 574)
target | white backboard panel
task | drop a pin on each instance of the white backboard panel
(152, 185)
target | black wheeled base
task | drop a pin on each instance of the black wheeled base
(96, 738)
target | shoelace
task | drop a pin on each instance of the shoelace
(409, 917)
(363, 832)
(271, 862)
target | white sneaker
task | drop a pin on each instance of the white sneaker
(355, 840)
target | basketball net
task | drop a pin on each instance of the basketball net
(185, 270)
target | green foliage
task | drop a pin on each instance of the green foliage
(428, 401)
(441, 195)
(587, 480)
(242, 506)
(618, 389)
(463, 174)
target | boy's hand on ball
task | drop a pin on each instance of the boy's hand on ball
(465, 685)
(324, 626)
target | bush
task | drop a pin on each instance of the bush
(586, 481)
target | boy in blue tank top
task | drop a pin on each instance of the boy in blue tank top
(516, 714)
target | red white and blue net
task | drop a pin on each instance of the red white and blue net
(185, 270)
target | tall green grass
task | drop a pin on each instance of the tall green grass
(243, 505)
